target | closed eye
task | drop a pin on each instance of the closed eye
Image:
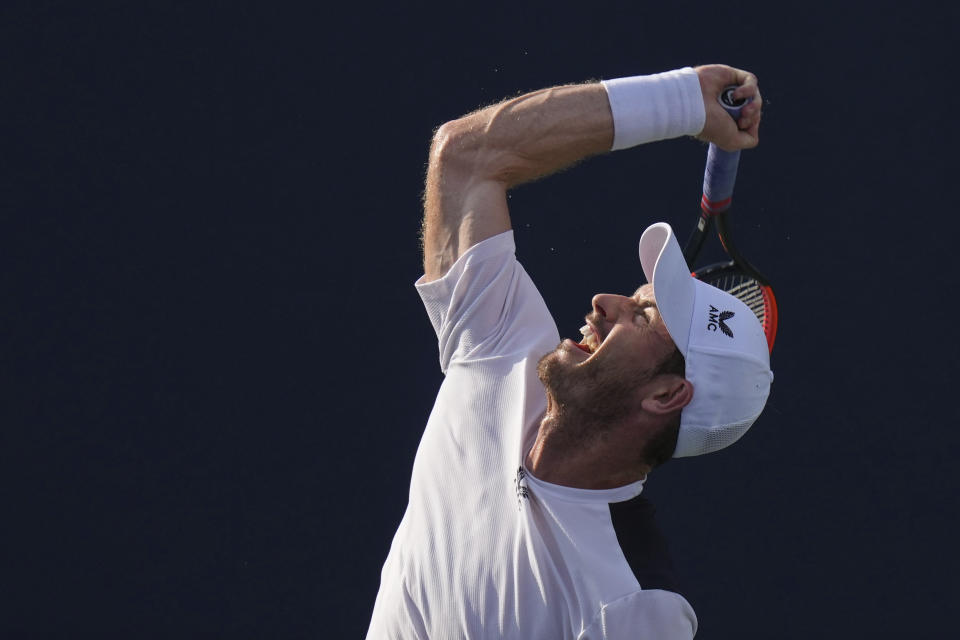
(643, 306)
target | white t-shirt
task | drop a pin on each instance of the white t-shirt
(485, 550)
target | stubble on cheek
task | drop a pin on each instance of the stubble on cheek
(560, 374)
(598, 393)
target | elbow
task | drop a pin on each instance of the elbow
(471, 147)
(452, 145)
(463, 147)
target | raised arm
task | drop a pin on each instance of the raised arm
(474, 160)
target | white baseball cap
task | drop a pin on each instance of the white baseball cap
(722, 341)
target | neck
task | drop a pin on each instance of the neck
(572, 450)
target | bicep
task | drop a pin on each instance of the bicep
(465, 201)
(463, 212)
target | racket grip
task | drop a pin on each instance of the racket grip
(720, 173)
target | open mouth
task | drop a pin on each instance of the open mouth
(591, 341)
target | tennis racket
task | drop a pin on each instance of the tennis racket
(736, 276)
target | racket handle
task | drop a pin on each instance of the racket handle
(720, 173)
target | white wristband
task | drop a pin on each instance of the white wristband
(655, 107)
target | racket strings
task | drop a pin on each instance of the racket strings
(758, 297)
(747, 290)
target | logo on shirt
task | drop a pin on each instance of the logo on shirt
(718, 320)
(522, 492)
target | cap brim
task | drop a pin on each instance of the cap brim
(673, 287)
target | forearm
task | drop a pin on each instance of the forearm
(474, 160)
(542, 132)
(530, 136)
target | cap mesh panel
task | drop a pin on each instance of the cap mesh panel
(717, 438)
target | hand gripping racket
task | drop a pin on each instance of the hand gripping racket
(737, 276)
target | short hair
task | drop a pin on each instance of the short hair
(675, 363)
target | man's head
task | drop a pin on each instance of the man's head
(662, 354)
(626, 371)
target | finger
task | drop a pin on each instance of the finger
(748, 85)
(753, 131)
(749, 117)
(747, 140)
(753, 107)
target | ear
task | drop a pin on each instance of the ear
(667, 394)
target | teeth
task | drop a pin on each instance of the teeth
(589, 338)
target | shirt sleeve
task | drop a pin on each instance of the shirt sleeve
(486, 305)
(654, 614)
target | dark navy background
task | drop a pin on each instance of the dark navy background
(216, 369)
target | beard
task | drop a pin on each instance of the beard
(593, 396)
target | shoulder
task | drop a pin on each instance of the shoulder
(487, 305)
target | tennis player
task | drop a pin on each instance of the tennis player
(525, 518)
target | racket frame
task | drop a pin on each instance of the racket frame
(719, 177)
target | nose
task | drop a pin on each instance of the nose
(609, 306)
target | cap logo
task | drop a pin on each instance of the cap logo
(718, 320)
